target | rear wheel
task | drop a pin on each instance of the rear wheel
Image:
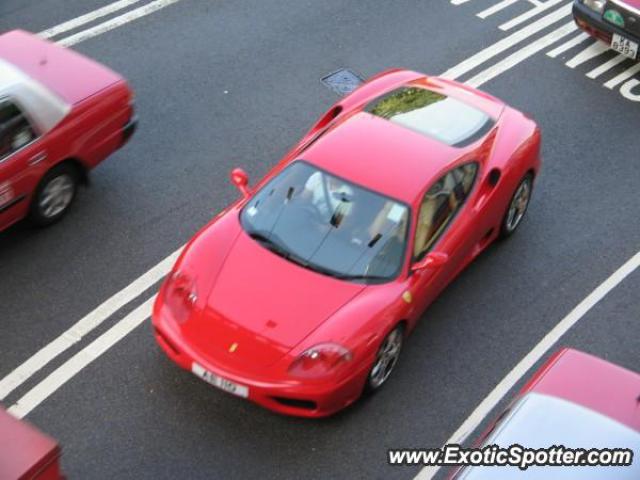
(386, 359)
(54, 195)
(517, 207)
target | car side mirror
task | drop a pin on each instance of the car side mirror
(241, 180)
(431, 260)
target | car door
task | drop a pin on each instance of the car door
(444, 224)
(18, 153)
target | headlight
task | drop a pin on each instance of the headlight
(321, 360)
(595, 5)
(180, 295)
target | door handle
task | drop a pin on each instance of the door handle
(37, 158)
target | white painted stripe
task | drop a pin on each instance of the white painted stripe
(496, 8)
(581, 37)
(605, 67)
(458, 2)
(592, 51)
(116, 22)
(623, 76)
(550, 339)
(529, 14)
(84, 357)
(506, 43)
(520, 55)
(84, 326)
(87, 18)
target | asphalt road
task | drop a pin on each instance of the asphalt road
(222, 84)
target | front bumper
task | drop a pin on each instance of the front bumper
(286, 395)
(593, 23)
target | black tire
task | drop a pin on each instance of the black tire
(512, 220)
(376, 378)
(62, 178)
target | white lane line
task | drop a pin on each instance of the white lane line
(529, 14)
(521, 55)
(581, 37)
(623, 76)
(85, 325)
(605, 67)
(84, 357)
(496, 8)
(592, 51)
(87, 18)
(116, 22)
(506, 43)
(549, 340)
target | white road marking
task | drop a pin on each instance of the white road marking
(521, 55)
(85, 325)
(605, 67)
(592, 51)
(87, 18)
(496, 8)
(581, 37)
(84, 357)
(623, 76)
(550, 339)
(116, 22)
(541, 7)
(506, 43)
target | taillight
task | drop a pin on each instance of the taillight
(180, 295)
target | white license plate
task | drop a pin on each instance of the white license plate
(624, 46)
(221, 383)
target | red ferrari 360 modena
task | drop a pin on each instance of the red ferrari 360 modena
(60, 115)
(299, 296)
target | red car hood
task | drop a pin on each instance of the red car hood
(69, 74)
(261, 306)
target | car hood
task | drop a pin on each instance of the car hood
(261, 306)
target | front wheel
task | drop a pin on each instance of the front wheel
(386, 359)
(517, 207)
(54, 195)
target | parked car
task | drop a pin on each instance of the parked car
(575, 400)
(299, 296)
(61, 114)
(615, 22)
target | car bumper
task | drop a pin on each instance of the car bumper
(593, 23)
(287, 396)
(129, 129)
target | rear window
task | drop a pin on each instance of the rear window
(432, 114)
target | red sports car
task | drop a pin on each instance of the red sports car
(299, 296)
(615, 22)
(575, 400)
(60, 115)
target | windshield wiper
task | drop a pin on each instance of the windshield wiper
(347, 276)
(270, 244)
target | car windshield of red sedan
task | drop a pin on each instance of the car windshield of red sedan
(432, 114)
(329, 225)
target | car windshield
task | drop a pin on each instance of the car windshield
(328, 224)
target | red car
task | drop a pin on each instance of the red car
(299, 296)
(615, 22)
(27, 453)
(61, 114)
(575, 400)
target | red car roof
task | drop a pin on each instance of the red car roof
(382, 156)
(592, 382)
(69, 74)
